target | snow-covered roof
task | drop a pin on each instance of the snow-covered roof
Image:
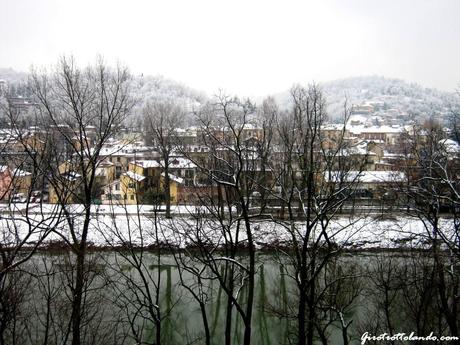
(365, 176)
(360, 149)
(124, 150)
(359, 129)
(105, 163)
(249, 126)
(180, 163)
(387, 154)
(147, 163)
(382, 129)
(333, 127)
(191, 131)
(21, 173)
(136, 177)
(174, 178)
(197, 148)
(374, 141)
(357, 119)
(14, 172)
(450, 145)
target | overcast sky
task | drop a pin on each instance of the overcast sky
(251, 48)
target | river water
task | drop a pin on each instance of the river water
(120, 298)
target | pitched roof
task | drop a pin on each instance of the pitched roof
(174, 178)
(132, 175)
(365, 176)
(147, 163)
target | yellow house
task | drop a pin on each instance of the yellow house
(22, 181)
(175, 184)
(68, 182)
(121, 154)
(131, 187)
(105, 173)
(112, 193)
(142, 176)
(144, 183)
(34, 142)
(67, 186)
(66, 167)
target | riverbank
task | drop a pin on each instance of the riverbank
(144, 226)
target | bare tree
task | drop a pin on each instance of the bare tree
(315, 180)
(232, 168)
(24, 225)
(432, 170)
(70, 100)
(193, 275)
(162, 120)
(136, 235)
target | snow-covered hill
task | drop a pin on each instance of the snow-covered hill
(15, 81)
(409, 98)
(152, 88)
(144, 89)
(12, 76)
(392, 94)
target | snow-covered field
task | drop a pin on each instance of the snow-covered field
(133, 225)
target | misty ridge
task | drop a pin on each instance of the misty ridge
(411, 100)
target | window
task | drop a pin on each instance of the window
(132, 197)
(117, 186)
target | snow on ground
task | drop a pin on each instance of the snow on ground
(138, 226)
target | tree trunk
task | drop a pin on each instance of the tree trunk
(204, 316)
(251, 279)
(301, 318)
(77, 298)
(311, 314)
(228, 312)
(80, 275)
(167, 189)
